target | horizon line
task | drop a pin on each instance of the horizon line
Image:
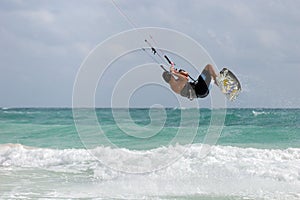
(69, 107)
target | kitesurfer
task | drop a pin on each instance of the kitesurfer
(179, 82)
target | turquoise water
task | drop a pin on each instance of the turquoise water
(255, 156)
(54, 128)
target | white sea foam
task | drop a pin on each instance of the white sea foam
(226, 171)
(256, 113)
(7, 111)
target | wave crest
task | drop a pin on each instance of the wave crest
(227, 161)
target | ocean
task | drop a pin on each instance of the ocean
(45, 153)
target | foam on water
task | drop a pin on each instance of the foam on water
(226, 171)
(256, 113)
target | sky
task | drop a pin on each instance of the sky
(44, 43)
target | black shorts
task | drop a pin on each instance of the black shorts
(201, 86)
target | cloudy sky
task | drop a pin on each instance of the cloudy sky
(43, 44)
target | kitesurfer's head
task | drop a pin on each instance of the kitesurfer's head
(167, 76)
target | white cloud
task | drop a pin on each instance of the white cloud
(83, 48)
(39, 16)
(269, 38)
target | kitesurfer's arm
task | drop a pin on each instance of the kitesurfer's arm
(177, 74)
(177, 81)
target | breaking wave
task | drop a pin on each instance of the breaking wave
(226, 171)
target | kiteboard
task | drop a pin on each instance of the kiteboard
(229, 85)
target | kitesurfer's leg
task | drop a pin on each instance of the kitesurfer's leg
(211, 71)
